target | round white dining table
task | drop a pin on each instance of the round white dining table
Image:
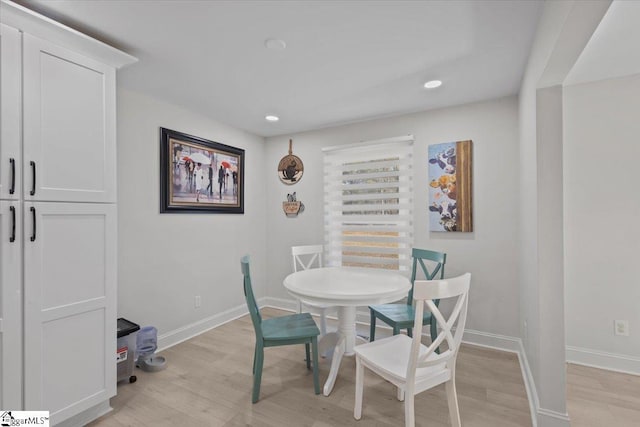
(346, 288)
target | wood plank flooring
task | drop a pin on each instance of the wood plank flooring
(599, 398)
(208, 382)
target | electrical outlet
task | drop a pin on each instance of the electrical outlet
(197, 301)
(621, 327)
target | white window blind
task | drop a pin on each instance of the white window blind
(368, 206)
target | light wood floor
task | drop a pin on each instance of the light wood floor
(599, 398)
(208, 383)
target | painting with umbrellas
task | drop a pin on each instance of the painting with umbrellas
(199, 175)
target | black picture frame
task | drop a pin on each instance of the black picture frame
(199, 176)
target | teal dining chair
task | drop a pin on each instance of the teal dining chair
(286, 330)
(400, 316)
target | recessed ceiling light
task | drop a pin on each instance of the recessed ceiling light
(275, 44)
(271, 118)
(432, 84)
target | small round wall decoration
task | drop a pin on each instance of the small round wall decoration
(290, 168)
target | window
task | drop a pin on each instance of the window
(368, 204)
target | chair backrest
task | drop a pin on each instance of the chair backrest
(306, 257)
(419, 257)
(250, 298)
(425, 292)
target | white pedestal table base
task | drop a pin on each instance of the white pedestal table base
(343, 341)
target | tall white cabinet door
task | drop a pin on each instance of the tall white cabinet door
(10, 112)
(10, 305)
(69, 125)
(70, 316)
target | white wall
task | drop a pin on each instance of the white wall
(167, 259)
(489, 253)
(602, 208)
(551, 379)
(549, 27)
(527, 220)
(533, 314)
(563, 31)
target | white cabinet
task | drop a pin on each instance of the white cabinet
(10, 304)
(70, 306)
(10, 118)
(69, 125)
(58, 276)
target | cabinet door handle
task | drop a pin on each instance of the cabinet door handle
(12, 238)
(33, 174)
(13, 175)
(33, 214)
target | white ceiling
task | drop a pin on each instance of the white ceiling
(345, 61)
(610, 51)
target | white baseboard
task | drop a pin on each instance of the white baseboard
(279, 303)
(194, 329)
(603, 360)
(489, 340)
(184, 333)
(85, 417)
(540, 417)
(547, 418)
(482, 339)
(529, 383)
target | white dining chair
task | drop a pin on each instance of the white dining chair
(304, 258)
(410, 365)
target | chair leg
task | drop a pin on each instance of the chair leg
(308, 359)
(372, 327)
(316, 362)
(357, 409)
(410, 332)
(409, 414)
(399, 394)
(396, 330)
(452, 398)
(257, 372)
(255, 357)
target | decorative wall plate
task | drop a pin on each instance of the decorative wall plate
(290, 168)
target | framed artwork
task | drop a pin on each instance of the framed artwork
(450, 189)
(198, 175)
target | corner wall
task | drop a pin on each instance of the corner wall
(602, 207)
(489, 253)
(563, 31)
(165, 260)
